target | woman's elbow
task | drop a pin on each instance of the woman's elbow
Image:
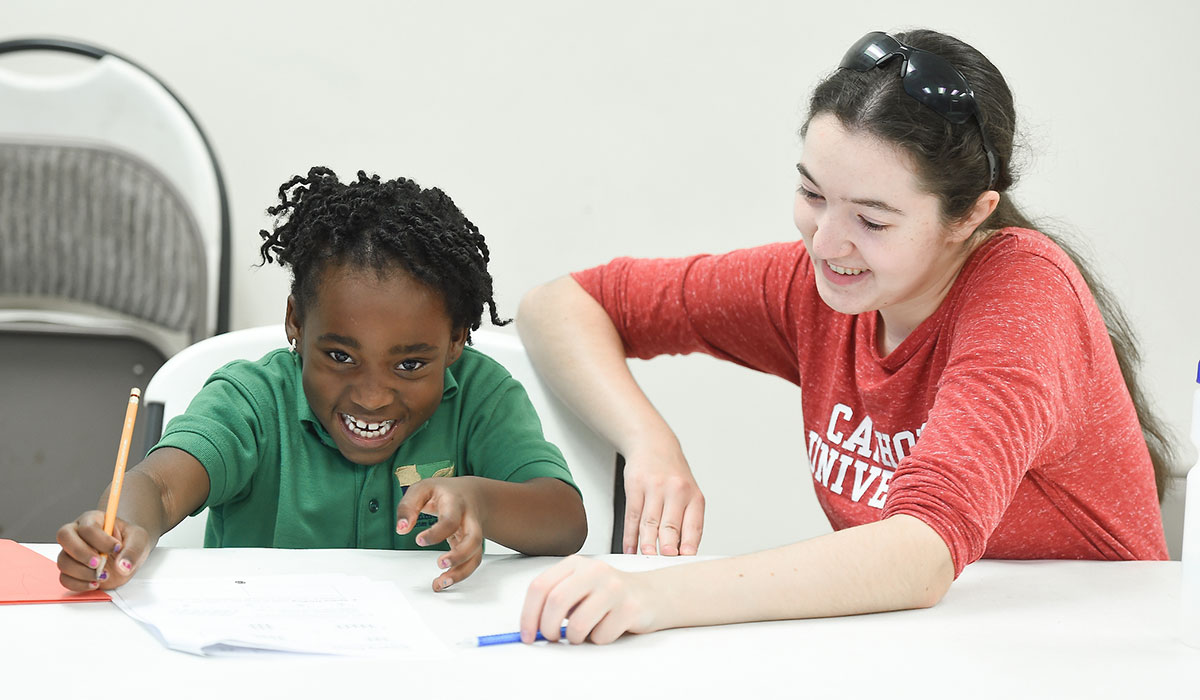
(932, 591)
(927, 567)
(535, 304)
(934, 580)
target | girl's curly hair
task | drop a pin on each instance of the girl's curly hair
(380, 224)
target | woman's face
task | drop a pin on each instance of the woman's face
(374, 352)
(876, 239)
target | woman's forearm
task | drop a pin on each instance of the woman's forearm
(576, 348)
(895, 564)
(578, 352)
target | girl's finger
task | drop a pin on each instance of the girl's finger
(459, 572)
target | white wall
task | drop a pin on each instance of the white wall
(574, 132)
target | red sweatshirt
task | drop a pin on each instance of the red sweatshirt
(1002, 421)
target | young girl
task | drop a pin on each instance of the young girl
(377, 407)
(961, 394)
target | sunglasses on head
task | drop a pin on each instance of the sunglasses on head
(928, 79)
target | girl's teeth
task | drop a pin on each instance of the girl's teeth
(364, 429)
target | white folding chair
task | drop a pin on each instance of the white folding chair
(593, 462)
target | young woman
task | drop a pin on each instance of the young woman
(378, 428)
(961, 394)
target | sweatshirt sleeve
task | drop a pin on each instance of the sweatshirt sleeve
(737, 306)
(1021, 345)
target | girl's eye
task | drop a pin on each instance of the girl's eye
(339, 356)
(808, 194)
(871, 225)
(410, 365)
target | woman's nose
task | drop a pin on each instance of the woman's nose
(829, 240)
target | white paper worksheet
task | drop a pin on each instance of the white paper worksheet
(313, 614)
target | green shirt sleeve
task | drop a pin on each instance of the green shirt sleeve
(505, 439)
(222, 428)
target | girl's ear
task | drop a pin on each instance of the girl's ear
(291, 322)
(457, 340)
(976, 215)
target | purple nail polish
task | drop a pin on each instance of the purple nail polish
(103, 575)
(116, 548)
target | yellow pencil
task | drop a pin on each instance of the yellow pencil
(114, 492)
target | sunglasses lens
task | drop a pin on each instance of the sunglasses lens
(866, 53)
(932, 81)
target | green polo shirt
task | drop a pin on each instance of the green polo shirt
(278, 480)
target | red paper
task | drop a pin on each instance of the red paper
(28, 577)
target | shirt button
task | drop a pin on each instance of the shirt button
(373, 505)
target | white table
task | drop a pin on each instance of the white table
(1006, 629)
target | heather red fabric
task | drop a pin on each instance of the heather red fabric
(1002, 421)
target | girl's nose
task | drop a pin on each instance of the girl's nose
(372, 392)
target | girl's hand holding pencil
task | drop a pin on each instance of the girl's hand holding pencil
(92, 558)
(88, 542)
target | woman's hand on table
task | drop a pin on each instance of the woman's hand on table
(664, 508)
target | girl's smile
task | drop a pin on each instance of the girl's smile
(368, 433)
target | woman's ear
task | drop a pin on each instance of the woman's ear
(291, 323)
(979, 212)
(458, 339)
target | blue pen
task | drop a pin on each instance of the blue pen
(488, 640)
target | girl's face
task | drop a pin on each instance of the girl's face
(876, 239)
(374, 351)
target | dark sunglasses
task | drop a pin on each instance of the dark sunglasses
(928, 79)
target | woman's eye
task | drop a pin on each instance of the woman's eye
(339, 356)
(808, 194)
(410, 365)
(871, 225)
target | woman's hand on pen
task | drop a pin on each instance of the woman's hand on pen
(92, 559)
(601, 603)
(454, 502)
